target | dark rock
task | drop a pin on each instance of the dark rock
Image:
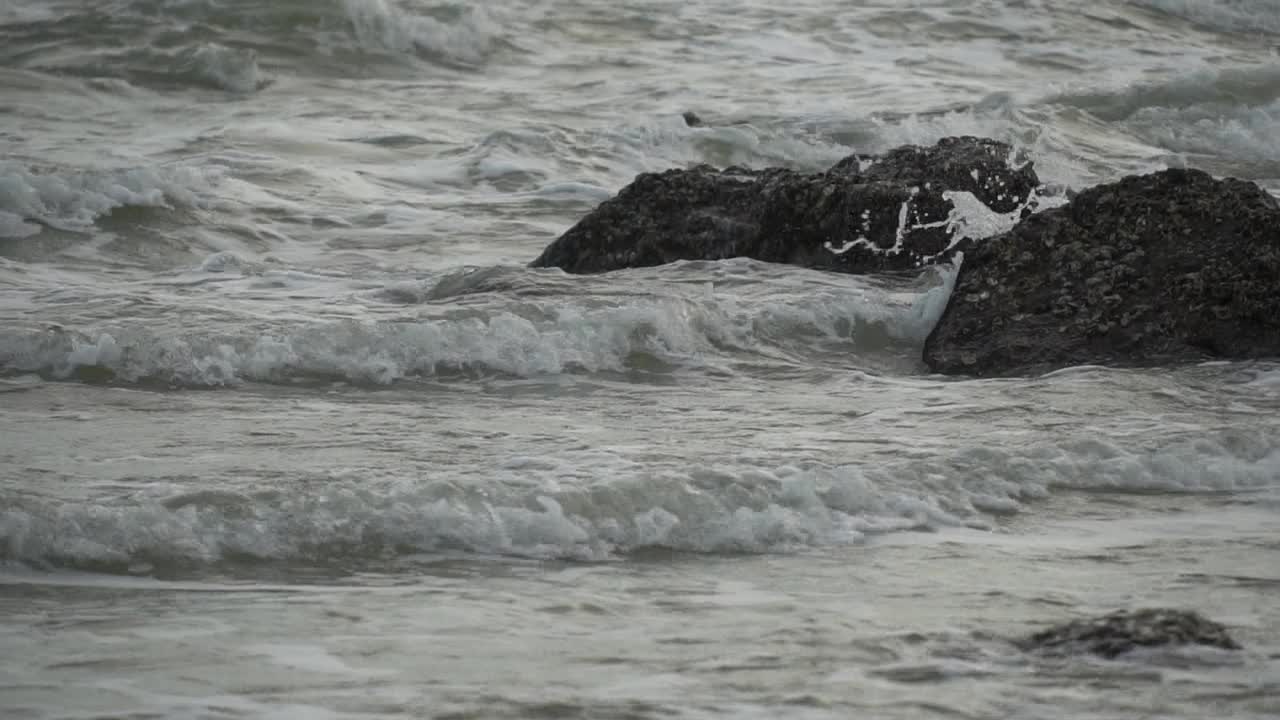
(986, 168)
(887, 215)
(691, 119)
(1120, 632)
(1169, 267)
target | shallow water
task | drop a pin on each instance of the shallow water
(289, 430)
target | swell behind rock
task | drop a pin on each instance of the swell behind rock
(1174, 266)
(863, 215)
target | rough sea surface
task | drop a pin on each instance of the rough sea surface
(288, 429)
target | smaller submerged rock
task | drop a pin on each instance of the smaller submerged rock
(1112, 635)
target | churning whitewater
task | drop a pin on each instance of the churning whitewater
(291, 427)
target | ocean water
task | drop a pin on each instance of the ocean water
(288, 429)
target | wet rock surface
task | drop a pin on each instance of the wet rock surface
(865, 214)
(1112, 635)
(1170, 267)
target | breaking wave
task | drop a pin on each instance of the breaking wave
(75, 199)
(380, 26)
(231, 69)
(531, 338)
(1205, 87)
(698, 510)
(1222, 117)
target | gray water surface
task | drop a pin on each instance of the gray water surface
(288, 429)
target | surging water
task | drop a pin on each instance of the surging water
(287, 429)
